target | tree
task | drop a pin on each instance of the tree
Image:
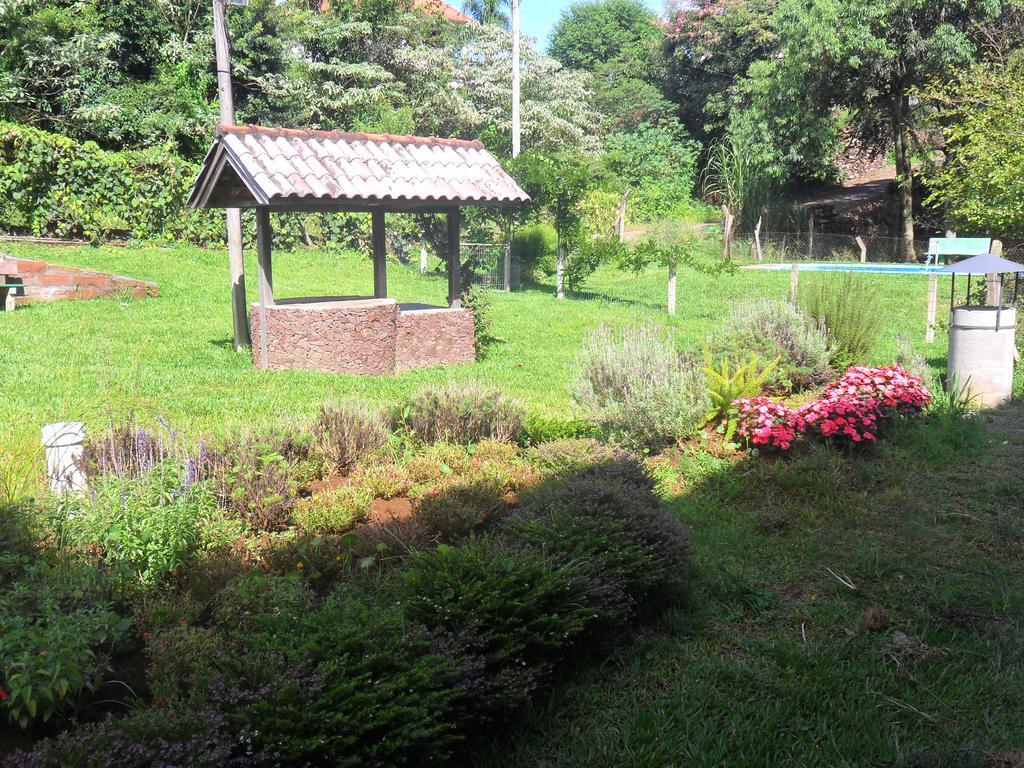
(619, 42)
(711, 47)
(493, 12)
(556, 113)
(869, 58)
(591, 33)
(981, 184)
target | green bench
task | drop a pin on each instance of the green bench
(944, 247)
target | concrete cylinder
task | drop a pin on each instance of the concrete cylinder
(981, 352)
(63, 442)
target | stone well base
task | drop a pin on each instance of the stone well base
(361, 336)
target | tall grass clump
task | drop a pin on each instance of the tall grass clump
(21, 463)
(851, 313)
(462, 413)
(639, 387)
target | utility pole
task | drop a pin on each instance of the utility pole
(515, 78)
(239, 313)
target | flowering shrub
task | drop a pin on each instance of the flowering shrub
(768, 423)
(893, 389)
(841, 418)
(851, 409)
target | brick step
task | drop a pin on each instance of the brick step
(43, 281)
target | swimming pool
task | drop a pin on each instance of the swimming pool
(892, 269)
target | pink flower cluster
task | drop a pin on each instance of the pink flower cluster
(850, 409)
(892, 388)
(767, 422)
(841, 417)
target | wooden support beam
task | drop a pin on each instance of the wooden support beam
(380, 256)
(454, 260)
(264, 237)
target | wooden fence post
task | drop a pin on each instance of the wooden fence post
(810, 238)
(727, 235)
(863, 249)
(758, 253)
(620, 217)
(933, 295)
(560, 273)
(993, 282)
(794, 281)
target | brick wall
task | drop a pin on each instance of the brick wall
(43, 281)
(429, 337)
(361, 336)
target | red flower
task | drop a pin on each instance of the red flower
(3, 695)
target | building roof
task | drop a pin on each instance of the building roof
(447, 11)
(250, 166)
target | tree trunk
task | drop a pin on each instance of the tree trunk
(904, 175)
(672, 288)
(560, 273)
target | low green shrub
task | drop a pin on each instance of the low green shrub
(346, 433)
(181, 658)
(618, 532)
(150, 736)
(462, 413)
(535, 247)
(433, 464)
(149, 527)
(382, 479)
(851, 313)
(59, 628)
(574, 456)
(771, 328)
(639, 387)
(452, 512)
(540, 429)
(477, 299)
(255, 476)
(515, 610)
(333, 511)
(352, 683)
(728, 383)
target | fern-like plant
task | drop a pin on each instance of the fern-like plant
(728, 382)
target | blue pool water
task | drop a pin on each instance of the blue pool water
(892, 269)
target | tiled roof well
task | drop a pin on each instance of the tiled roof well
(251, 165)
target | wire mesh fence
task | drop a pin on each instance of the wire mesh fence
(488, 264)
(823, 246)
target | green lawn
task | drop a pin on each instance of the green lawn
(172, 355)
(776, 662)
(847, 609)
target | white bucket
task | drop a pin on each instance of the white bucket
(981, 353)
(63, 442)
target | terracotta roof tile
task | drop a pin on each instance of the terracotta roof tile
(282, 165)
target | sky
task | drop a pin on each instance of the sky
(539, 16)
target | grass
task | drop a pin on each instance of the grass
(173, 355)
(848, 610)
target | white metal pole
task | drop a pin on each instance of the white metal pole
(515, 78)
(239, 313)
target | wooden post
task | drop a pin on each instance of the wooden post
(994, 282)
(758, 253)
(810, 237)
(239, 307)
(672, 288)
(560, 273)
(507, 265)
(727, 234)
(380, 256)
(454, 261)
(933, 296)
(794, 281)
(423, 256)
(264, 237)
(620, 217)
(863, 249)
